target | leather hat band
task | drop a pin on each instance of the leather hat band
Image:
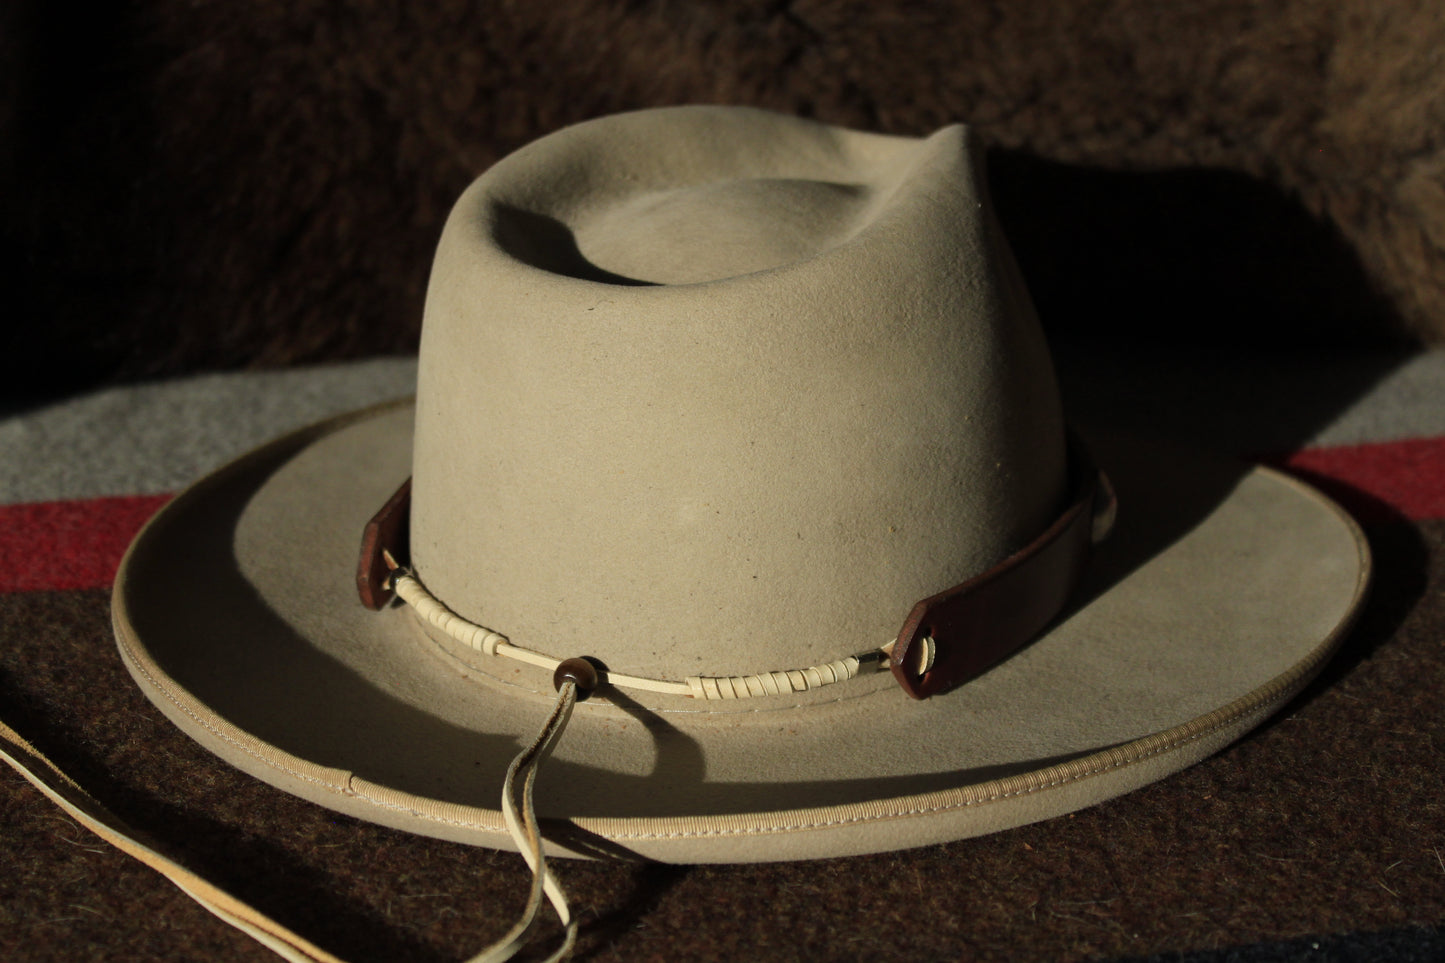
(947, 638)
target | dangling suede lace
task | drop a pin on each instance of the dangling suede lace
(517, 809)
(522, 824)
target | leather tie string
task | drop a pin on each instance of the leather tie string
(517, 807)
(575, 678)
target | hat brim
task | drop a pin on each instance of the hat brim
(1221, 592)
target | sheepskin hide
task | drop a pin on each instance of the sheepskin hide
(214, 184)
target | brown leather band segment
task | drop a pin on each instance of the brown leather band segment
(387, 532)
(980, 622)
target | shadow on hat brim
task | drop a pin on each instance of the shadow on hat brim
(1221, 592)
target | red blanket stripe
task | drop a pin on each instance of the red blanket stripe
(71, 544)
(78, 544)
(1378, 483)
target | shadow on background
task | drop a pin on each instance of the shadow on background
(73, 145)
(1186, 258)
(1210, 309)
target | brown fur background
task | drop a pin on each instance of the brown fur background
(216, 184)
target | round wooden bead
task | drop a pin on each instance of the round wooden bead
(578, 671)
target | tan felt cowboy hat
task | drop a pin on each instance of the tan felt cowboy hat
(753, 415)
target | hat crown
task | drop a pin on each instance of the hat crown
(714, 391)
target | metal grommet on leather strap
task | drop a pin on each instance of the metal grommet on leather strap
(978, 623)
(383, 543)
